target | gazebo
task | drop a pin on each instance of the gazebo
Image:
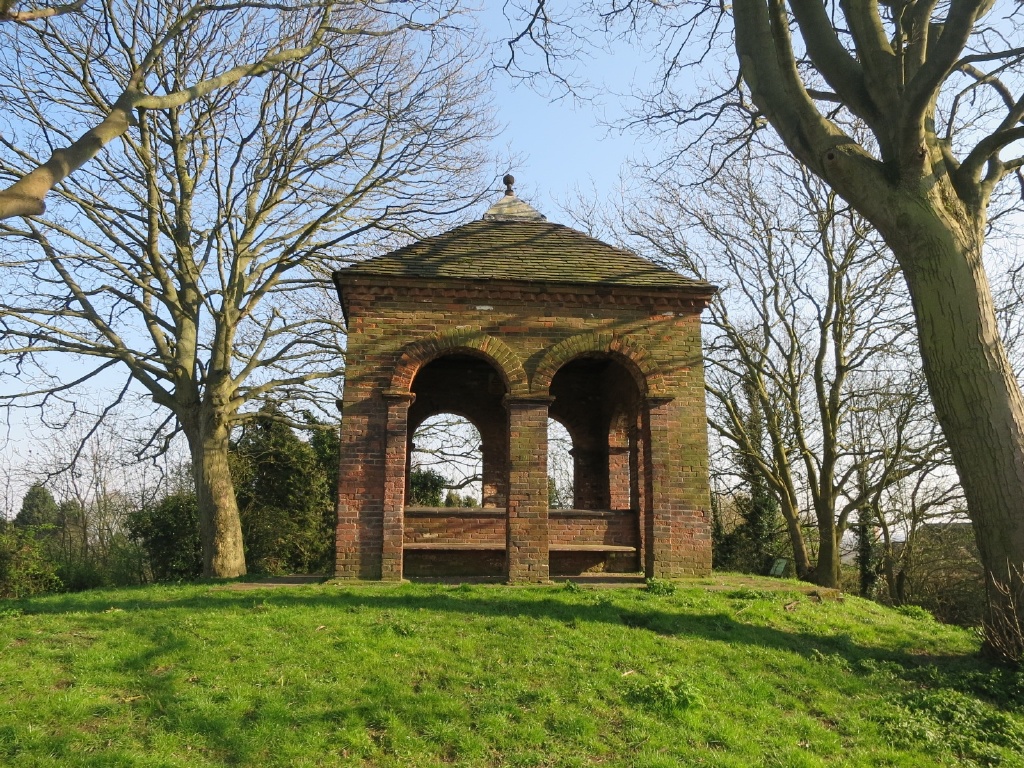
(508, 321)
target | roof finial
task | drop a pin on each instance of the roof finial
(510, 207)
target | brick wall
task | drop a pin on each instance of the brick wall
(593, 527)
(478, 526)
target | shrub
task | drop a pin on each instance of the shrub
(169, 533)
(663, 694)
(660, 587)
(25, 568)
(945, 575)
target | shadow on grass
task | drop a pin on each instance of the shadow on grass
(654, 614)
(664, 616)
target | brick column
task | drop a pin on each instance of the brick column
(395, 463)
(527, 542)
(360, 478)
(619, 477)
(640, 491)
(660, 501)
(590, 477)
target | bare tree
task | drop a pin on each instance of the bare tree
(810, 333)
(90, 32)
(193, 256)
(450, 445)
(920, 501)
(561, 488)
(939, 88)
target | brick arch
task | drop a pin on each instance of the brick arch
(635, 358)
(470, 340)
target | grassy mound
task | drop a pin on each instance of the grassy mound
(433, 675)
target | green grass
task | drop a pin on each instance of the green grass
(429, 675)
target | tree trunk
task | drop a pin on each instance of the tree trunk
(973, 387)
(220, 527)
(801, 560)
(865, 559)
(826, 572)
(892, 581)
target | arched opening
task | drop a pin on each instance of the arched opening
(446, 463)
(597, 400)
(458, 429)
(560, 466)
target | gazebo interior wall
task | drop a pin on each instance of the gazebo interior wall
(470, 387)
(589, 393)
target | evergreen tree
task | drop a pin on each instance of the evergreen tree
(426, 487)
(38, 508)
(283, 491)
(169, 533)
(325, 440)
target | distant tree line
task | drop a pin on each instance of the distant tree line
(285, 480)
(430, 488)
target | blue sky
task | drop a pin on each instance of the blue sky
(561, 145)
(564, 143)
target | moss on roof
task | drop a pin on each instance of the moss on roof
(531, 251)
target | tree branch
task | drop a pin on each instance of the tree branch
(23, 17)
(26, 196)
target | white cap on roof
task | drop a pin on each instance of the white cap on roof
(511, 208)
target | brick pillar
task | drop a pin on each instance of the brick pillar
(618, 477)
(637, 492)
(527, 542)
(395, 464)
(360, 478)
(660, 501)
(590, 477)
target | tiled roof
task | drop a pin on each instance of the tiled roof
(521, 250)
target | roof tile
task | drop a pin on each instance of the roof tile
(521, 251)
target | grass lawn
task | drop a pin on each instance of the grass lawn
(431, 675)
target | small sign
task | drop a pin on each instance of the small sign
(778, 567)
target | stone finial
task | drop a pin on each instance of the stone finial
(510, 207)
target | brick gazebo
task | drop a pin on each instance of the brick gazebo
(509, 321)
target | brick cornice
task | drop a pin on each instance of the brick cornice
(688, 300)
(528, 400)
(398, 395)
